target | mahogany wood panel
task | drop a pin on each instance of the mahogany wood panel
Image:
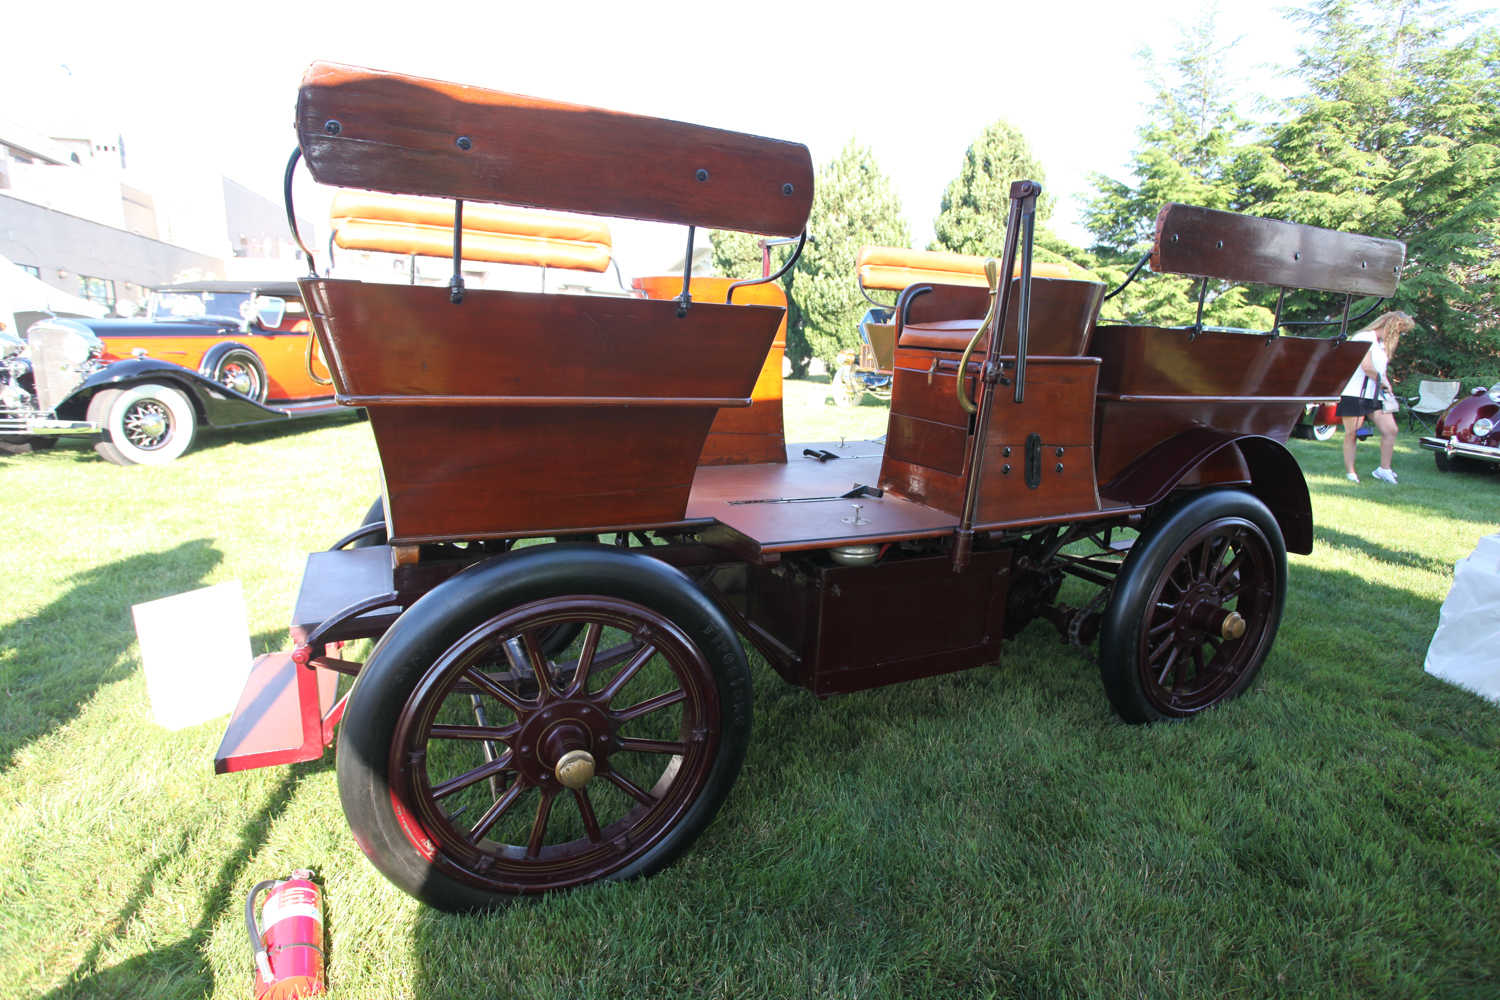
(1156, 383)
(1154, 361)
(1058, 407)
(1231, 247)
(859, 627)
(470, 472)
(1127, 430)
(1063, 313)
(754, 434)
(333, 581)
(927, 443)
(402, 134)
(409, 340)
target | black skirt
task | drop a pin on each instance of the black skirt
(1356, 406)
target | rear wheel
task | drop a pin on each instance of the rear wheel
(847, 390)
(146, 424)
(1195, 608)
(1324, 432)
(474, 768)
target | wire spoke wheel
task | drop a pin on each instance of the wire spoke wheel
(147, 424)
(1207, 617)
(539, 773)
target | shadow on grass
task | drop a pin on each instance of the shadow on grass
(212, 438)
(52, 662)
(1398, 557)
(179, 968)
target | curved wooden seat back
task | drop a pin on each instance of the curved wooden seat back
(364, 220)
(1063, 314)
(363, 128)
(892, 269)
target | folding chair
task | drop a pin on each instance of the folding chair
(1434, 396)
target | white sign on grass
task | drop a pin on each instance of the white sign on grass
(195, 649)
(1466, 647)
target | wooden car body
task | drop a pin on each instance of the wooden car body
(1021, 426)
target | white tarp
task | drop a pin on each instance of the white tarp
(1466, 648)
(25, 299)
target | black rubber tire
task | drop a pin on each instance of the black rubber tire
(1458, 463)
(21, 444)
(1132, 598)
(465, 602)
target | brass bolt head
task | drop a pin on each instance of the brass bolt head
(575, 768)
(1233, 627)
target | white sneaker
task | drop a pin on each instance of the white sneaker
(1353, 477)
(1386, 474)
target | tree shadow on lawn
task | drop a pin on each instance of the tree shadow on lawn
(179, 969)
(54, 661)
(213, 438)
(1399, 557)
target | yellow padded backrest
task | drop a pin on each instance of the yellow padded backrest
(424, 226)
(893, 269)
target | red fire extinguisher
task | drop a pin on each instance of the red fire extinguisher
(288, 941)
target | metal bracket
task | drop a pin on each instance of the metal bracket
(456, 283)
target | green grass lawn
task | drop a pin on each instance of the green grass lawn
(1333, 833)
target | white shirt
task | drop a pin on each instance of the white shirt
(1362, 384)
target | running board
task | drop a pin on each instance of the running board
(285, 714)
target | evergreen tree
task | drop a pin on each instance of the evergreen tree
(854, 204)
(1398, 135)
(977, 202)
(1192, 149)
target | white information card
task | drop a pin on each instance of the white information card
(195, 649)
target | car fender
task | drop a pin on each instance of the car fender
(216, 406)
(1275, 477)
(213, 354)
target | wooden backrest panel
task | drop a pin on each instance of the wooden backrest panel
(402, 134)
(1205, 243)
(1063, 313)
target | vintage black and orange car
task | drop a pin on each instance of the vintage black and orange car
(590, 510)
(211, 353)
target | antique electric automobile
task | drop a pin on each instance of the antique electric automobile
(541, 713)
(209, 353)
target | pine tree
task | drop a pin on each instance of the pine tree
(1398, 135)
(1192, 149)
(854, 204)
(738, 255)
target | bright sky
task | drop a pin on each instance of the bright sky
(210, 88)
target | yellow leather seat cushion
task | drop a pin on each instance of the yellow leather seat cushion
(893, 269)
(394, 224)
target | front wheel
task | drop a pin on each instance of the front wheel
(1324, 432)
(146, 424)
(1195, 608)
(1457, 463)
(475, 768)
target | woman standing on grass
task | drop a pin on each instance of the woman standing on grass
(1364, 394)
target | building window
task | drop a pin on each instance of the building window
(100, 290)
(35, 272)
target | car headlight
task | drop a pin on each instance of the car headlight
(1495, 394)
(66, 341)
(1482, 427)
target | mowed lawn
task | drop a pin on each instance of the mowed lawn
(1334, 833)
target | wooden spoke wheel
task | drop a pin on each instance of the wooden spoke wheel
(1195, 608)
(509, 771)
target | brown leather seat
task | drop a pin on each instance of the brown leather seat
(893, 269)
(364, 220)
(1063, 313)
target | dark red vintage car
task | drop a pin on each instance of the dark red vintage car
(1467, 435)
(544, 710)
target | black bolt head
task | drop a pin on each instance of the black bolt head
(786, 189)
(332, 127)
(464, 142)
(702, 174)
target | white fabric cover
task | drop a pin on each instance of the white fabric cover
(1466, 648)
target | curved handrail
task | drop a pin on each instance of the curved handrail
(291, 214)
(991, 274)
(801, 242)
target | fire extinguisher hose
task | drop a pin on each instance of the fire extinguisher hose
(262, 962)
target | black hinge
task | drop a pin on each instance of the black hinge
(1033, 461)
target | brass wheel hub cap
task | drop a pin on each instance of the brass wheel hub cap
(575, 768)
